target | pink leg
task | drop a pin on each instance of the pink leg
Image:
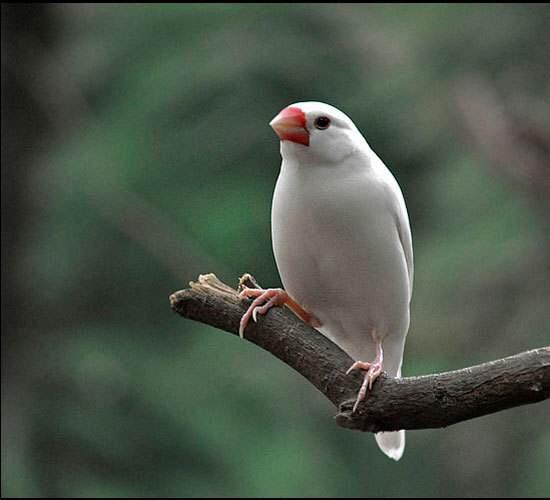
(265, 300)
(373, 370)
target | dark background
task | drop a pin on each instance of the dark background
(136, 154)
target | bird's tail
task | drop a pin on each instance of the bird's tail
(391, 443)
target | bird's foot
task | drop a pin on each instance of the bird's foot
(264, 300)
(373, 371)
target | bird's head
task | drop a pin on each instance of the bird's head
(316, 131)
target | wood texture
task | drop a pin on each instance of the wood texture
(427, 401)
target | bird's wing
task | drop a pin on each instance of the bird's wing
(404, 231)
(401, 217)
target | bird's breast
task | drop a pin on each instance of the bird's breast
(338, 252)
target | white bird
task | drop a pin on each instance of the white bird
(342, 244)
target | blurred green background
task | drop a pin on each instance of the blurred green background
(136, 155)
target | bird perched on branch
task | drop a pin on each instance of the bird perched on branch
(342, 243)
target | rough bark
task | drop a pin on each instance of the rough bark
(428, 401)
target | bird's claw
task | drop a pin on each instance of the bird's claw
(362, 365)
(373, 371)
(264, 300)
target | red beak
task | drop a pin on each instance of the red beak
(290, 125)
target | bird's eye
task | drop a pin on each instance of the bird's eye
(322, 122)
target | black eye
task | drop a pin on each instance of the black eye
(322, 122)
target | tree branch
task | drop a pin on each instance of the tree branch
(428, 401)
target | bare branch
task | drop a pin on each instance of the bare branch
(429, 401)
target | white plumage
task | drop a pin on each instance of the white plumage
(342, 240)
